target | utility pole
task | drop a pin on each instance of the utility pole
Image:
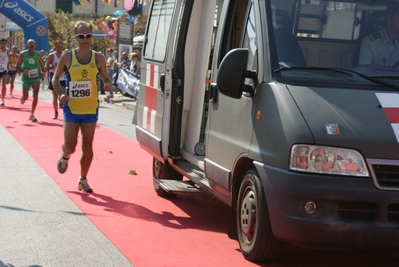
(96, 8)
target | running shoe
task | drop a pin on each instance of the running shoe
(2, 102)
(62, 164)
(55, 116)
(11, 96)
(32, 118)
(84, 186)
(22, 100)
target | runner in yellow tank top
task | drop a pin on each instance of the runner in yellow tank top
(82, 90)
(80, 101)
(12, 68)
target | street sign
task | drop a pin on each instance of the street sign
(125, 33)
(99, 35)
(12, 27)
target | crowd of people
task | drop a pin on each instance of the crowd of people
(46, 63)
(131, 64)
(73, 80)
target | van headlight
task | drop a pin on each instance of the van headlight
(327, 160)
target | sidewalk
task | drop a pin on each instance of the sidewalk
(119, 100)
(39, 224)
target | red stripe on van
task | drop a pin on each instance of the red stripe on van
(392, 114)
(150, 96)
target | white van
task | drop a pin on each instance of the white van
(262, 105)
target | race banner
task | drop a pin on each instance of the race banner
(128, 82)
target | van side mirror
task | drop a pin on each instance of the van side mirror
(232, 73)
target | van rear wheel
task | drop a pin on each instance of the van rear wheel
(257, 242)
(162, 171)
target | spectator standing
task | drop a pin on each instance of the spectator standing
(137, 52)
(123, 64)
(135, 65)
(124, 61)
(110, 67)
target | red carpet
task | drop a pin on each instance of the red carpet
(147, 229)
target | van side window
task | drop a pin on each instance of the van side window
(250, 40)
(235, 25)
(158, 29)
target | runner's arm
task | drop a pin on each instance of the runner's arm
(41, 66)
(49, 62)
(62, 65)
(19, 63)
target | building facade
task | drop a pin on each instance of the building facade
(95, 7)
(85, 7)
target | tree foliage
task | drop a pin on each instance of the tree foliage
(60, 27)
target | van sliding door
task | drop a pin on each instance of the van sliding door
(154, 99)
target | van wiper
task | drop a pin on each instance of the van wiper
(387, 77)
(376, 80)
(314, 68)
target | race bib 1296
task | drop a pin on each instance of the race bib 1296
(80, 89)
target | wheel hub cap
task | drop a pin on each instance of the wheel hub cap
(248, 214)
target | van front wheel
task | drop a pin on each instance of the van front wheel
(257, 242)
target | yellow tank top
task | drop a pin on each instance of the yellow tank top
(13, 62)
(82, 90)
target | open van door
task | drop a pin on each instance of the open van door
(154, 99)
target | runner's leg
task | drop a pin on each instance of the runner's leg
(12, 79)
(4, 80)
(25, 92)
(35, 88)
(55, 100)
(87, 131)
(71, 131)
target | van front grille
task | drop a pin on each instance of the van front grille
(357, 210)
(393, 212)
(387, 175)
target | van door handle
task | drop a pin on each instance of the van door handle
(162, 82)
(213, 94)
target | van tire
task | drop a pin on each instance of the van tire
(257, 242)
(163, 171)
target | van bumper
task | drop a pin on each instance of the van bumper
(351, 213)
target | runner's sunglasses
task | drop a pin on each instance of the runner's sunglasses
(82, 36)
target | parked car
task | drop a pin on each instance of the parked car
(138, 41)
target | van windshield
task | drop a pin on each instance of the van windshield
(314, 39)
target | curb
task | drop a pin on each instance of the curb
(119, 100)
